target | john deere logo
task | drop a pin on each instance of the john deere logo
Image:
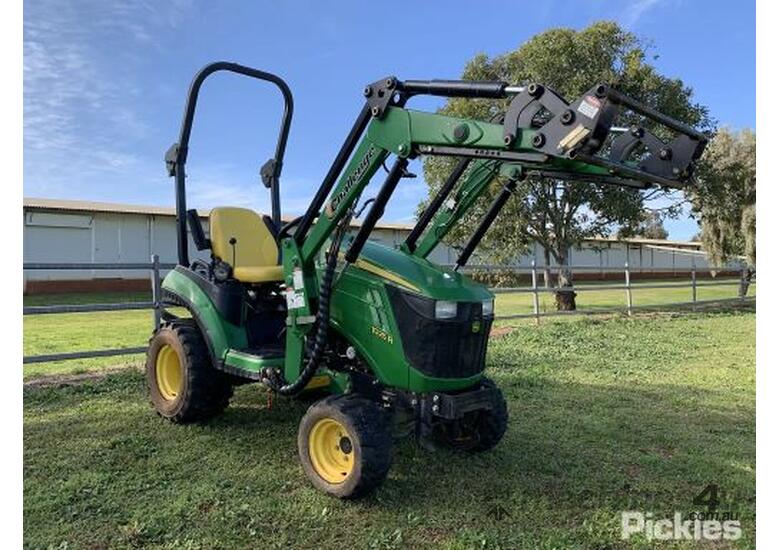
(476, 326)
(356, 175)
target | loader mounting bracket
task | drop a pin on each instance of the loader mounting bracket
(382, 94)
(579, 131)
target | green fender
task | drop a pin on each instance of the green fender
(219, 334)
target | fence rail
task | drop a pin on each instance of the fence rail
(154, 267)
(96, 266)
(627, 286)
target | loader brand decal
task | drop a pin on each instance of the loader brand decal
(356, 175)
(381, 334)
(590, 106)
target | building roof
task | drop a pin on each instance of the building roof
(92, 206)
(32, 203)
(640, 240)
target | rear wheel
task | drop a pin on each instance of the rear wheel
(183, 384)
(477, 431)
(345, 444)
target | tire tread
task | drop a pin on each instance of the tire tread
(208, 390)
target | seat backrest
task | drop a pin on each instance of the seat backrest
(255, 243)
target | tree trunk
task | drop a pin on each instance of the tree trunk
(547, 275)
(745, 280)
(565, 300)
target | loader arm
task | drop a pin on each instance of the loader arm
(446, 213)
(567, 144)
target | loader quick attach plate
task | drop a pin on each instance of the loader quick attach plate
(580, 130)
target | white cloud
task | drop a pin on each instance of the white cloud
(636, 9)
(80, 94)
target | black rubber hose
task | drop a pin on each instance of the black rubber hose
(271, 377)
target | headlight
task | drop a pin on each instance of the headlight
(487, 308)
(446, 310)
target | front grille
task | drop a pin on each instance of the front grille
(441, 348)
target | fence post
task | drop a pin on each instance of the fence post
(156, 290)
(743, 283)
(693, 283)
(629, 299)
(535, 288)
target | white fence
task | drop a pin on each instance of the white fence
(155, 267)
(628, 286)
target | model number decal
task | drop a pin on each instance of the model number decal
(381, 334)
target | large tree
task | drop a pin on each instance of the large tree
(724, 198)
(649, 226)
(557, 214)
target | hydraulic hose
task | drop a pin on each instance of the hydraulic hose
(271, 377)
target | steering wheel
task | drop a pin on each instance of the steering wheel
(285, 230)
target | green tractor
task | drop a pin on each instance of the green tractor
(398, 342)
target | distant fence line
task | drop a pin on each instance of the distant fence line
(154, 267)
(693, 284)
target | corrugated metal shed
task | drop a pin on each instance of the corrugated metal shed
(70, 231)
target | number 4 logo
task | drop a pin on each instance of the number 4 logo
(708, 497)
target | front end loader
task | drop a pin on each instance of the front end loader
(397, 341)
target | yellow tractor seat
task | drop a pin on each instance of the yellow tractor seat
(246, 241)
(251, 274)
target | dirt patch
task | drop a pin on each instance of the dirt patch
(664, 452)
(498, 332)
(63, 380)
(633, 471)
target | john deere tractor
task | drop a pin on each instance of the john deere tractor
(397, 341)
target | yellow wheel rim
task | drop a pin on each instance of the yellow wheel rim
(331, 450)
(168, 372)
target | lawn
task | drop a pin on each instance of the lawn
(85, 331)
(605, 415)
(593, 297)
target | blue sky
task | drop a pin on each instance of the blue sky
(104, 82)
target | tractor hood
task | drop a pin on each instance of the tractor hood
(418, 275)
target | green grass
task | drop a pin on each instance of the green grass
(594, 298)
(70, 332)
(605, 415)
(86, 298)
(85, 331)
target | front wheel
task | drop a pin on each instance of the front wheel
(477, 431)
(345, 444)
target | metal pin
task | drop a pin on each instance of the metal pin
(514, 89)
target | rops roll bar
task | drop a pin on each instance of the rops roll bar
(176, 156)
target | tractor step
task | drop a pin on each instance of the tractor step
(265, 352)
(249, 363)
